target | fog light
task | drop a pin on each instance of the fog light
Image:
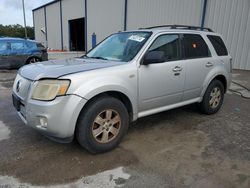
(43, 123)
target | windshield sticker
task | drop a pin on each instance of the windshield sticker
(136, 38)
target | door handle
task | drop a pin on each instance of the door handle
(209, 64)
(177, 69)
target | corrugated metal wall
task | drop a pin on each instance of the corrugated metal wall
(104, 18)
(143, 13)
(39, 24)
(53, 25)
(107, 17)
(231, 18)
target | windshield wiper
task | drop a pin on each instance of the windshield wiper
(85, 56)
(103, 58)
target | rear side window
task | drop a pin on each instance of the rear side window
(218, 45)
(169, 44)
(18, 46)
(195, 46)
(31, 45)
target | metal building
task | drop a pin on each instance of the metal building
(69, 24)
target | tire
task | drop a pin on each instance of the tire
(33, 60)
(213, 98)
(102, 125)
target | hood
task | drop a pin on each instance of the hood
(58, 68)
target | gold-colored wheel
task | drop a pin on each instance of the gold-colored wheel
(215, 97)
(106, 126)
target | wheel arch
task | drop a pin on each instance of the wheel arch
(221, 77)
(30, 57)
(116, 94)
(223, 80)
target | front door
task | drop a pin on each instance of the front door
(161, 84)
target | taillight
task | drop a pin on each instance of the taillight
(44, 50)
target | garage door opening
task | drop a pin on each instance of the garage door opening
(77, 34)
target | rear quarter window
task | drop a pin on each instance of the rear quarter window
(195, 47)
(218, 45)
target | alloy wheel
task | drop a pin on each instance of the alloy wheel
(215, 97)
(106, 126)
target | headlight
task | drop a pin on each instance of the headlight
(47, 90)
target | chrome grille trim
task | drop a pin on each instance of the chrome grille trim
(21, 87)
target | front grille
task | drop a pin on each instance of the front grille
(21, 87)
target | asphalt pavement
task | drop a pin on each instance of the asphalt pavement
(179, 148)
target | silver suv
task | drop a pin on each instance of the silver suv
(127, 76)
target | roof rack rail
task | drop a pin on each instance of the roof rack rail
(181, 27)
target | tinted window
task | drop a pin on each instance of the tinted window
(18, 46)
(218, 45)
(3, 46)
(31, 45)
(195, 46)
(169, 44)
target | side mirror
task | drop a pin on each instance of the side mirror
(153, 57)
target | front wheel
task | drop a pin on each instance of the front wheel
(213, 98)
(102, 125)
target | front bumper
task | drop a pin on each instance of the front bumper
(55, 118)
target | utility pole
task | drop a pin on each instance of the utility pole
(24, 19)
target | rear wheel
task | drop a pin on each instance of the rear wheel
(33, 60)
(213, 98)
(102, 125)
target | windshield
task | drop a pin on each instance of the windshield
(120, 46)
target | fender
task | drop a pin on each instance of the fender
(121, 79)
(99, 85)
(216, 71)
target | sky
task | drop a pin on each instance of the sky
(11, 11)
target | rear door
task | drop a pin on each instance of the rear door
(18, 53)
(198, 60)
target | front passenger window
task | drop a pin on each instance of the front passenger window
(169, 44)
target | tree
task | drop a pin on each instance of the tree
(16, 31)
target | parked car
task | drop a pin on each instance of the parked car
(16, 52)
(127, 76)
